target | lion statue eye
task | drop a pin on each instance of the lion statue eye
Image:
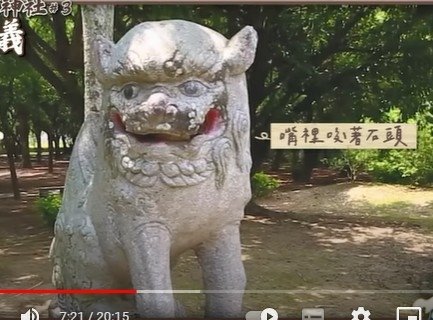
(130, 91)
(192, 88)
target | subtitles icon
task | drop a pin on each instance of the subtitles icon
(31, 314)
(313, 314)
(409, 313)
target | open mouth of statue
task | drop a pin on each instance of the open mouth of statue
(211, 126)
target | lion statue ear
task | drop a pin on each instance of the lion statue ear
(240, 51)
(102, 50)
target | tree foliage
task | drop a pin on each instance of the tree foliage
(313, 63)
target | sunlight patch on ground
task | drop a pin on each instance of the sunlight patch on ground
(259, 220)
(23, 173)
(389, 194)
(246, 257)
(409, 240)
(26, 277)
(398, 203)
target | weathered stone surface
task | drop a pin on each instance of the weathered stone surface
(163, 168)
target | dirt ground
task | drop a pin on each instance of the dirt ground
(339, 246)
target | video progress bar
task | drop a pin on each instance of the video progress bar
(135, 291)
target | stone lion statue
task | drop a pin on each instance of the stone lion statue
(162, 169)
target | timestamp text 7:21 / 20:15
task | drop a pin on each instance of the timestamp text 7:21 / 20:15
(95, 316)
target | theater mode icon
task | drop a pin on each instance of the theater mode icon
(31, 314)
(409, 313)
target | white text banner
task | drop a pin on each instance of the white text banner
(343, 136)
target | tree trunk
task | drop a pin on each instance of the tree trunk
(278, 159)
(311, 159)
(56, 140)
(259, 151)
(50, 153)
(97, 20)
(24, 131)
(65, 147)
(16, 146)
(9, 146)
(38, 146)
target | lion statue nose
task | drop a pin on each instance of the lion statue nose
(158, 99)
(156, 110)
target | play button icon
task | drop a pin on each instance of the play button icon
(269, 314)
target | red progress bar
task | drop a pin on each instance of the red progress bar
(68, 291)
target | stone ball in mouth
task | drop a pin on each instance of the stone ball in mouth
(165, 133)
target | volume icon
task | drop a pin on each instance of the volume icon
(31, 314)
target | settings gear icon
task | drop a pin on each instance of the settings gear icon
(361, 312)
